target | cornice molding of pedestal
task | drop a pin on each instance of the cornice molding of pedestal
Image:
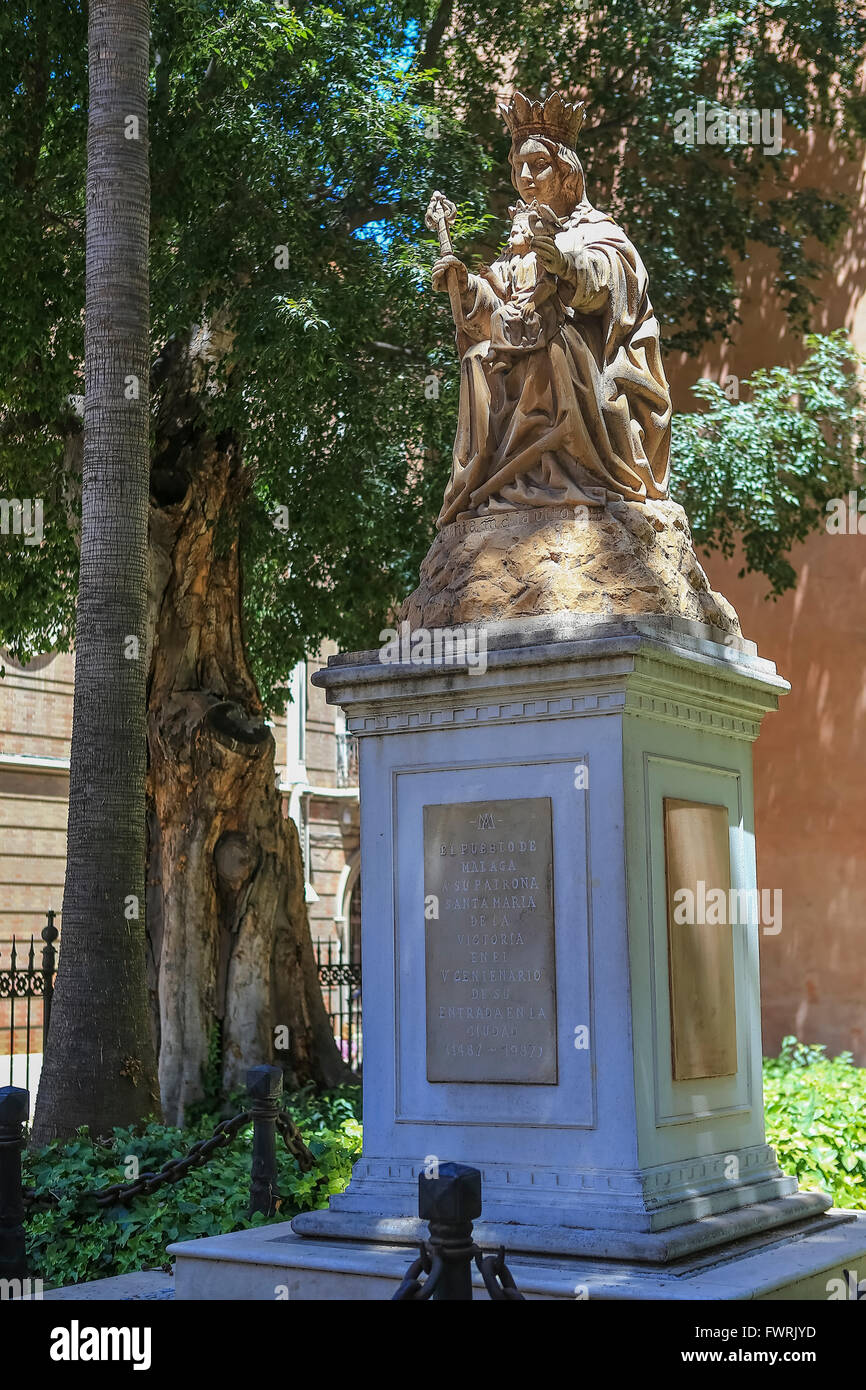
(657, 669)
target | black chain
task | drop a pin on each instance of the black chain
(414, 1289)
(498, 1279)
(294, 1142)
(177, 1168)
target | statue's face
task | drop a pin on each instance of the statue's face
(519, 241)
(537, 175)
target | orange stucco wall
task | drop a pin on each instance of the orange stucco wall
(810, 790)
(810, 759)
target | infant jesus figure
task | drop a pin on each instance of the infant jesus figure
(531, 309)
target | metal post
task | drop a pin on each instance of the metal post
(264, 1087)
(14, 1110)
(49, 962)
(450, 1202)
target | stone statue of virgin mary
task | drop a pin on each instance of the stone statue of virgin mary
(558, 495)
(563, 397)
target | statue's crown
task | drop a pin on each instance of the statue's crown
(554, 118)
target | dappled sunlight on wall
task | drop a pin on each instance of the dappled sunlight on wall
(810, 791)
(810, 759)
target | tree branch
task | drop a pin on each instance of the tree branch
(441, 20)
(398, 349)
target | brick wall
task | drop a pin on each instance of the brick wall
(35, 728)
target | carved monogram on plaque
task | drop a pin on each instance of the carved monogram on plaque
(491, 979)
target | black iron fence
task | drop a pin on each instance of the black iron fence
(340, 980)
(28, 971)
(26, 991)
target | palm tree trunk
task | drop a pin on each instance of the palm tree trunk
(99, 1067)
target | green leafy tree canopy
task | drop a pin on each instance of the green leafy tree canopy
(293, 154)
(761, 471)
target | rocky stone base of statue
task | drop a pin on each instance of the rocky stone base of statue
(622, 559)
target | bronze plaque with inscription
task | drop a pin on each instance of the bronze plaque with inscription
(491, 978)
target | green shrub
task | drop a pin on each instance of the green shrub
(815, 1111)
(73, 1241)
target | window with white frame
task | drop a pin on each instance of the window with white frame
(296, 725)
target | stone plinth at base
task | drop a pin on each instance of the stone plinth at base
(274, 1262)
(694, 1238)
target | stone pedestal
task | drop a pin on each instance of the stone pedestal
(530, 1006)
(602, 721)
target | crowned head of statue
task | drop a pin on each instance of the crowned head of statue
(544, 165)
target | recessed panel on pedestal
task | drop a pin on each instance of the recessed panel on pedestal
(490, 965)
(700, 940)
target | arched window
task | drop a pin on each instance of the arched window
(355, 923)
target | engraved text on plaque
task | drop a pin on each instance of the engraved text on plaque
(491, 982)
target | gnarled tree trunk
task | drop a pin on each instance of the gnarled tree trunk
(229, 942)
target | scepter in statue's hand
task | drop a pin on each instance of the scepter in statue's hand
(441, 213)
